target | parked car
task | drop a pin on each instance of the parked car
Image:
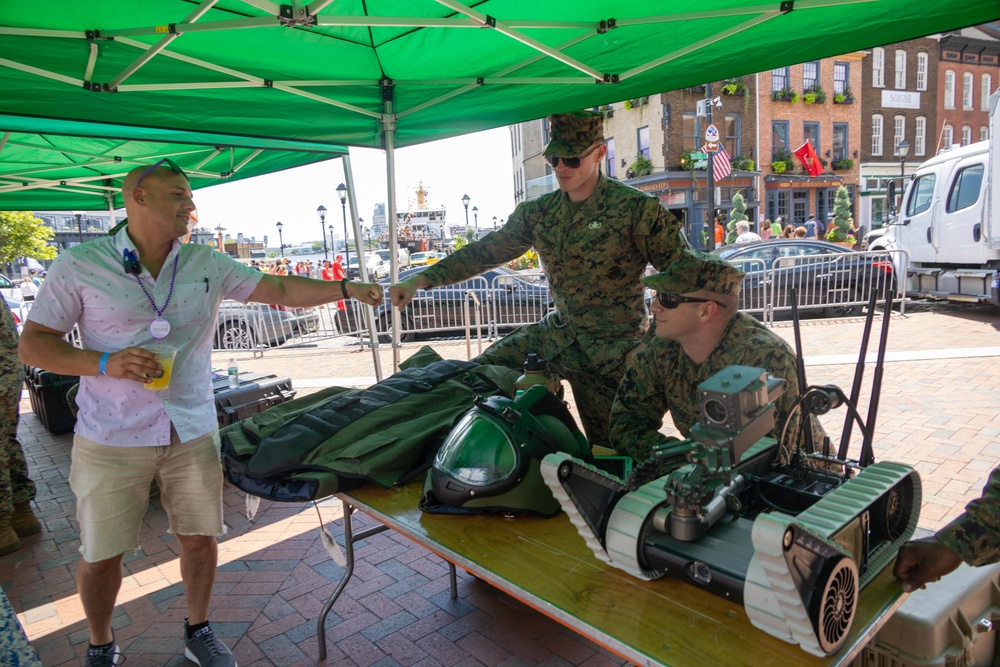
(423, 258)
(247, 327)
(18, 308)
(9, 288)
(831, 280)
(402, 256)
(506, 300)
(377, 268)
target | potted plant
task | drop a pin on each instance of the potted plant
(734, 87)
(606, 111)
(840, 228)
(642, 166)
(737, 214)
(636, 102)
(845, 164)
(814, 95)
(779, 166)
(785, 95)
(846, 97)
(742, 163)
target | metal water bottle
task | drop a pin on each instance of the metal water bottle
(536, 371)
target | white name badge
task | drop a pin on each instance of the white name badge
(159, 328)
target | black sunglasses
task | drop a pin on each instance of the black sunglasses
(170, 163)
(669, 300)
(571, 162)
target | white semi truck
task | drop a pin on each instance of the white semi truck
(949, 223)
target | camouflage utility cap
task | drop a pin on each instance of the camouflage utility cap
(573, 133)
(693, 271)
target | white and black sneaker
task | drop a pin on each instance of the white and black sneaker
(206, 650)
(104, 656)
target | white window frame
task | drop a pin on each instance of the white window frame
(900, 74)
(920, 136)
(966, 135)
(878, 67)
(984, 133)
(986, 89)
(898, 133)
(922, 71)
(877, 124)
(947, 137)
(967, 91)
(949, 89)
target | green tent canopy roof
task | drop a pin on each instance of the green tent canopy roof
(66, 164)
(343, 72)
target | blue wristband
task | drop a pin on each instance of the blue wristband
(102, 365)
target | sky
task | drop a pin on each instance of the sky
(475, 164)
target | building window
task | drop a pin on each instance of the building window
(967, 91)
(877, 134)
(966, 135)
(985, 92)
(900, 69)
(920, 136)
(731, 135)
(545, 132)
(878, 67)
(779, 79)
(949, 89)
(691, 126)
(810, 75)
(642, 136)
(921, 71)
(777, 205)
(840, 78)
(610, 167)
(840, 141)
(984, 133)
(947, 137)
(898, 133)
(810, 133)
(779, 140)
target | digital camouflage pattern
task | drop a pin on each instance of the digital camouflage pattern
(15, 486)
(593, 261)
(571, 134)
(663, 379)
(975, 535)
(696, 271)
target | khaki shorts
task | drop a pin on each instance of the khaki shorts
(111, 485)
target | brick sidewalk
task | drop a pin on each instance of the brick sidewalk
(939, 412)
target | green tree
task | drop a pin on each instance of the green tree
(24, 235)
(460, 242)
(316, 247)
(841, 226)
(738, 214)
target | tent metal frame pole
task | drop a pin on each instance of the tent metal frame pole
(362, 267)
(389, 137)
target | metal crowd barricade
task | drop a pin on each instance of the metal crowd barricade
(516, 300)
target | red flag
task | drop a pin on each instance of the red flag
(721, 166)
(807, 156)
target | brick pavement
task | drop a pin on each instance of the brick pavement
(939, 411)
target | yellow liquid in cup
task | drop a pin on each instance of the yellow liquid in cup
(163, 382)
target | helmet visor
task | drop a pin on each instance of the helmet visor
(479, 452)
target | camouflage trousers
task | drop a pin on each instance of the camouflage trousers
(15, 486)
(593, 389)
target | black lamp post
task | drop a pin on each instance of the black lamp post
(322, 220)
(902, 148)
(494, 223)
(281, 253)
(342, 193)
(475, 217)
(465, 203)
(79, 226)
(333, 248)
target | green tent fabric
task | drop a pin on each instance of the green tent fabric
(64, 165)
(342, 72)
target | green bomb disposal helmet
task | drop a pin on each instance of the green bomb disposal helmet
(490, 462)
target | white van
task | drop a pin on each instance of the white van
(401, 255)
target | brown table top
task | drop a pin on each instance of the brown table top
(546, 564)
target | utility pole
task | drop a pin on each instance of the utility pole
(710, 168)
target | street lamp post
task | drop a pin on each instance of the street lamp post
(281, 240)
(902, 148)
(333, 248)
(322, 223)
(79, 227)
(494, 223)
(465, 203)
(342, 193)
(475, 217)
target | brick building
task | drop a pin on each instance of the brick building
(967, 72)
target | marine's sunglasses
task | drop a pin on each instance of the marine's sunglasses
(571, 162)
(170, 163)
(669, 300)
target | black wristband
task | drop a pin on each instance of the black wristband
(343, 289)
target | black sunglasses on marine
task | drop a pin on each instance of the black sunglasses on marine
(669, 300)
(571, 162)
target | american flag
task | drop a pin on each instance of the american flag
(720, 165)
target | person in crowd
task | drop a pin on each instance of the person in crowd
(811, 227)
(720, 234)
(744, 235)
(327, 272)
(599, 316)
(125, 293)
(776, 228)
(765, 230)
(801, 233)
(17, 519)
(29, 290)
(788, 232)
(699, 332)
(35, 278)
(973, 537)
(856, 233)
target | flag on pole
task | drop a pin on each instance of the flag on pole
(721, 166)
(807, 156)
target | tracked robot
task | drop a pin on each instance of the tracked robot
(793, 543)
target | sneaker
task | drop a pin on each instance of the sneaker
(205, 650)
(103, 656)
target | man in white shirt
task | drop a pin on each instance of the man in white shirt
(744, 233)
(127, 292)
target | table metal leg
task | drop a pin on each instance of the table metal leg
(349, 539)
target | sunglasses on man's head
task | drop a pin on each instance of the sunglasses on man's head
(571, 162)
(170, 163)
(669, 300)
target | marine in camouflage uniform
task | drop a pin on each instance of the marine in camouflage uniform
(16, 488)
(663, 378)
(594, 253)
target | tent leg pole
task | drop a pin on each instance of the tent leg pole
(389, 135)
